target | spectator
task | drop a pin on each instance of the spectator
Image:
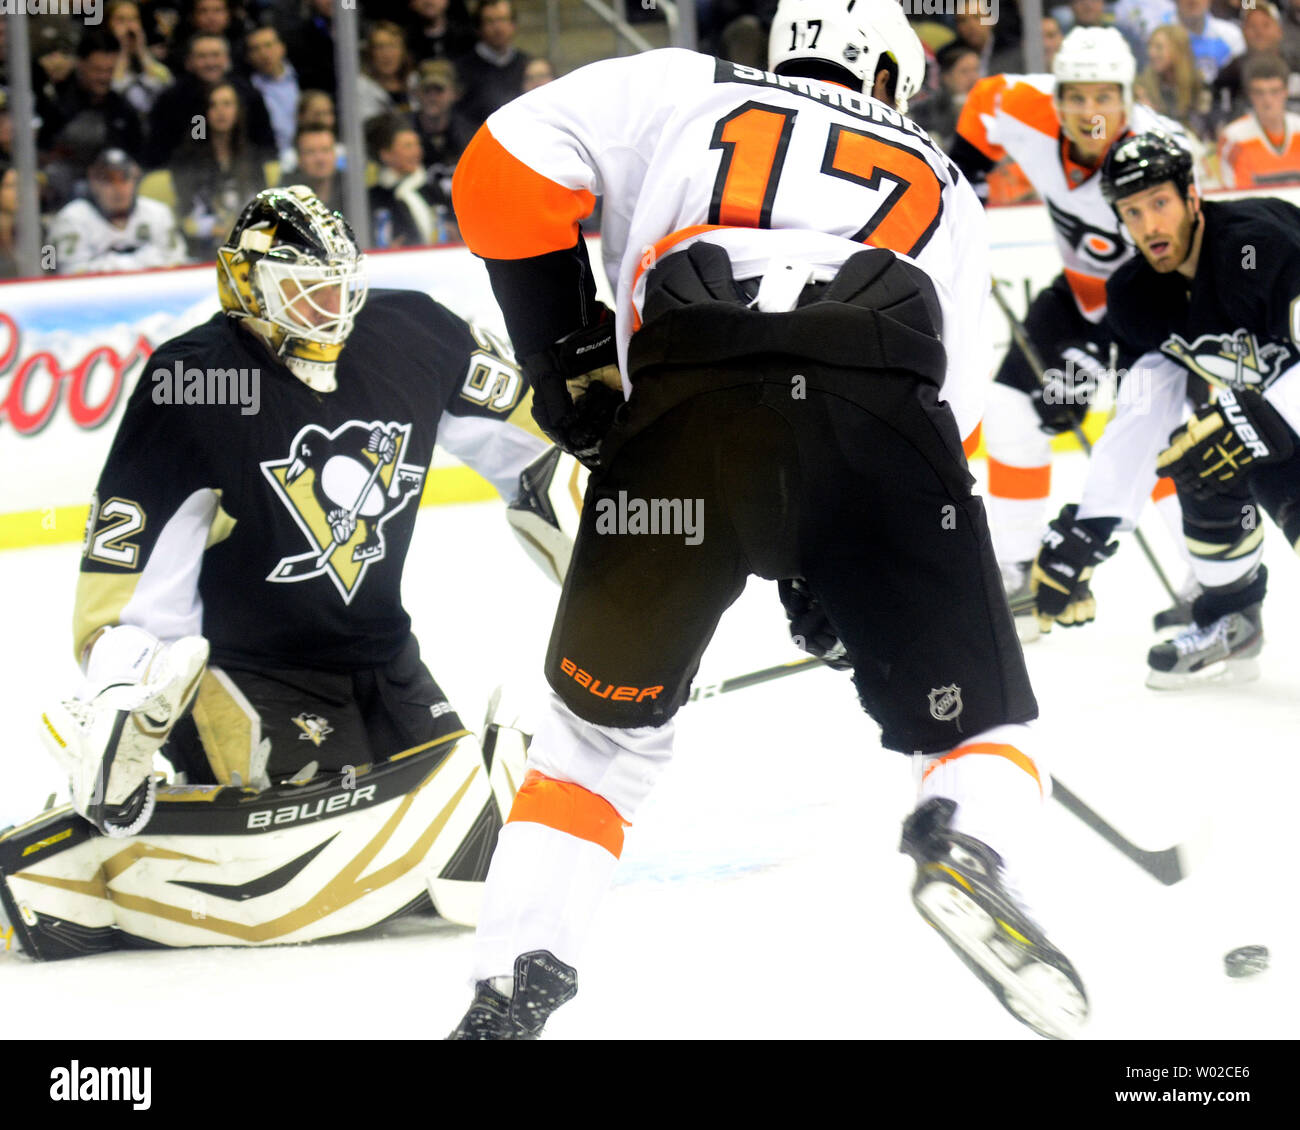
(404, 207)
(1291, 25)
(1171, 84)
(437, 31)
(317, 107)
(205, 17)
(1052, 36)
(538, 72)
(138, 76)
(8, 217)
(493, 73)
(976, 32)
(276, 80)
(175, 114)
(311, 47)
(1262, 148)
(443, 132)
(1093, 13)
(959, 71)
(86, 116)
(115, 230)
(384, 84)
(6, 130)
(1214, 41)
(54, 47)
(1139, 18)
(1261, 27)
(216, 175)
(317, 162)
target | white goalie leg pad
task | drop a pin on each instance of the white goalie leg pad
(136, 690)
(1000, 785)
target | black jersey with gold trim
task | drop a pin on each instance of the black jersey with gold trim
(238, 504)
(1237, 323)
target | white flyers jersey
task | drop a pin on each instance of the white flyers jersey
(85, 241)
(681, 147)
(1016, 115)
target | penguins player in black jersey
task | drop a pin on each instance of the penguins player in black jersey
(239, 611)
(1212, 308)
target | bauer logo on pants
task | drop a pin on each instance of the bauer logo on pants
(341, 487)
(945, 704)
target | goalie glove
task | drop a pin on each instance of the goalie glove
(1219, 445)
(577, 389)
(1066, 559)
(809, 627)
(105, 741)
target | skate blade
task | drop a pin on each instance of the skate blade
(1037, 994)
(1226, 672)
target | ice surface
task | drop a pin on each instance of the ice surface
(761, 893)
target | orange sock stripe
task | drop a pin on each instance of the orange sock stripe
(971, 443)
(568, 808)
(1008, 751)
(1006, 481)
(1163, 489)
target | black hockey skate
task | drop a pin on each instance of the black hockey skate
(1225, 651)
(542, 984)
(960, 891)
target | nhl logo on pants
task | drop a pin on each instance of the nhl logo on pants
(945, 703)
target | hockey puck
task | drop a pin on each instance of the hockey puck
(1245, 961)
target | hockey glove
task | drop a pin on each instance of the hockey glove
(1211, 453)
(809, 628)
(1066, 392)
(577, 390)
(1069, 553)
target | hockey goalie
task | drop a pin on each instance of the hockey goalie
(239, 618)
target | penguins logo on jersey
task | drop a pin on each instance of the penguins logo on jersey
(1232, 360)
(1097, 243)
(341, 487)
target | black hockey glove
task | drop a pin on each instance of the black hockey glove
(577, 390)
(1069, 553)
(809, 628)
(1070, 389)
(1221, 443)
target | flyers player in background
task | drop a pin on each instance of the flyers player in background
(1058, 128)
(799, 344)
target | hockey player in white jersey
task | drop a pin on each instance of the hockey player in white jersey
(116, 229)
(801, 280)
(1058, 128)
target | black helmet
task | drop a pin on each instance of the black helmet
(1144, 161)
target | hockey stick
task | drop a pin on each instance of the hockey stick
(1165, 866)
(1021, 337)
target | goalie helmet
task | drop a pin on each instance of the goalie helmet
(1097, 54)
(1144, 161)
(291, 272)
(858, 36)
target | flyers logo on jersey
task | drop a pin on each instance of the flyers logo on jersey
(341, 487)
(1233, 360)
(1103, 246)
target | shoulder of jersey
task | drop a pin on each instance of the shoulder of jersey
(1241, 129)
(202, 346)
(154, 209)
(1129, 276)
(386, 305)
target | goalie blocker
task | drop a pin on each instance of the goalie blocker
(222, 865)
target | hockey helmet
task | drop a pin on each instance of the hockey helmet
(1097, 54)
(861, 37)
(106, 169)
(1144, 161)
(291, 271)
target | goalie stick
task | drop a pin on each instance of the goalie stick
(1021, 337)
(1166, 866)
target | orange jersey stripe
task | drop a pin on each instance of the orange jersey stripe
(659, 250)
(971, 443)
(568, 808)
(507, 210)
(1006, 481)
(1089, 290)
(996, 749)
(1163, 489)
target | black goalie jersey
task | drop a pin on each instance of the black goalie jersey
(238, 504)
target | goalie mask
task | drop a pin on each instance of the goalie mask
(292, 273)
